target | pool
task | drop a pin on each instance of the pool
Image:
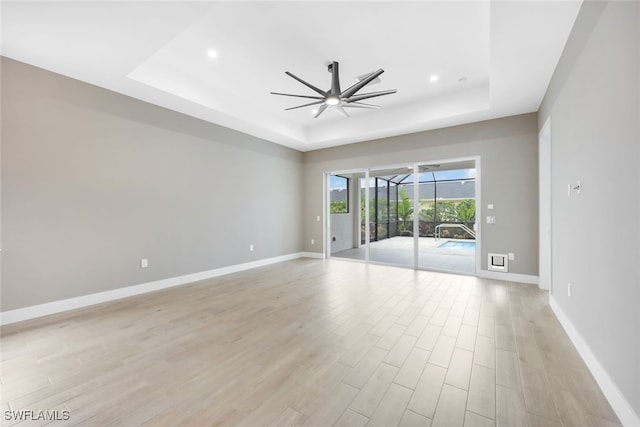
(455, 244)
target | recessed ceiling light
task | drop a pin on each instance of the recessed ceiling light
(433, 78)
(314, 111)
(211, 53)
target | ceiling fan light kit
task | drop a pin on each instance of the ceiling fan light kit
(335, 97)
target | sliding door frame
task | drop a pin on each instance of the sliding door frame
(416, 203)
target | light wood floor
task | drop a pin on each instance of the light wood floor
(308, 342)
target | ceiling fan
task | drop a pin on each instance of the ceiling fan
(336, 98)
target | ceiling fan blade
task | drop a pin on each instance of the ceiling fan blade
(320, 110)
(341, 110)
(306, 105)
(372, 82)
(360, 105)
(369, 95)
(334, 97)
(297, 96)
(335, 80)
(309, 85)
(362, 83)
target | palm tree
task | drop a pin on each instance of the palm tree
(405, 210)
(466, 211)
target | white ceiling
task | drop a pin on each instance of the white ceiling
(493, 58)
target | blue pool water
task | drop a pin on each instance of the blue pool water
(451, 244)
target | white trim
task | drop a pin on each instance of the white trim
(40, 310)
(326, 214)
(545, 263)
(316, 255)
(478, 229)
(620, 405)
(194, 277)
(367, 215)
(509, 277)
(416, 217)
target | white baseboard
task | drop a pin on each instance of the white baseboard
(194, 277)
(35, 311)
(509, 277)
(620, 405)
(317, 255)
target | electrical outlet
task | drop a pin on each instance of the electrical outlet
(512, 256)
(144, 263)
(313, 241)
(318, 218)
(568, 289)
(250, 248)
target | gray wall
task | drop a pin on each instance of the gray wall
(342, 231)
(93, 181)
(508, 151)
(593, 102)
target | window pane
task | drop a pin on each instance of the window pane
(383, 209)
(393, 210)
(427, 209)
(455, 174)
(339, 194)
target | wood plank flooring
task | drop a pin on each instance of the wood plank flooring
(307, 342)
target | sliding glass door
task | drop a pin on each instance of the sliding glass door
(344, 215)
(420, 216)
(446, 217)
(389, 241)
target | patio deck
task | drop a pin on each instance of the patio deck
(399, 251)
